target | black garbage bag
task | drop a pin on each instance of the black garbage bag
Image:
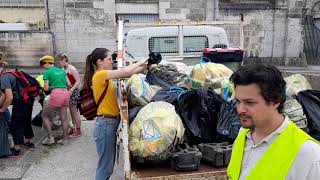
(169, 94)
(152, 79)
(310, 102)
(228, 120)
(199, 110)
(4, 141)
(133, 113)
(37, 120)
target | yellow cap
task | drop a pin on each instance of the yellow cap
(47, 58)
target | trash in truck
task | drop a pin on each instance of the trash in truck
(199, 110)
(154, 132)
(185, 158)
(293, 109)
(173, 73)
(310, 102)
(139, 91)
(209, 75)
(295, 84)
(228, 120)
(152, 79)
(169, 94)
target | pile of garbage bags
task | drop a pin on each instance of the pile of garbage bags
(164, 110)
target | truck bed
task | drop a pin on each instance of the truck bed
(163, 171)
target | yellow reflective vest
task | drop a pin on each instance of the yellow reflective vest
(277, 160)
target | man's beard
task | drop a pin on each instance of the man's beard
(245, 124)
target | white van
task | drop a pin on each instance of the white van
(139, 42)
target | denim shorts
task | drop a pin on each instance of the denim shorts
(105, 137)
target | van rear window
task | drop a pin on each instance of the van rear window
(170, 44)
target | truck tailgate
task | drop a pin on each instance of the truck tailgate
(163, 171)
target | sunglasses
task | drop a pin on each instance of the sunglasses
(43, 63)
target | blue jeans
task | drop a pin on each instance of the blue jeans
(105, 137)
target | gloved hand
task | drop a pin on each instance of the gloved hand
(154, 58)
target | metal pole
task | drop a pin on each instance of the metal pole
(241, 31)
(241, 34)
(180, 40)
(47, 14)
(120, 44)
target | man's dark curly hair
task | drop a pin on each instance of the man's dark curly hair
(268, 78)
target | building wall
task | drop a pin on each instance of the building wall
(273, 33)
(25, 48)
(182, 9)
(137, 8)
(27, 15)
(81, 26)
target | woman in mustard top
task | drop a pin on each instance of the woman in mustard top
(98, 72)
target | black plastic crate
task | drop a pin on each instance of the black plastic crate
(216, 154)
(220, 55)
(186, 158)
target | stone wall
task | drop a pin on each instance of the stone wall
(81, 26)
(26, 15)
(182, 9)
(273, 33)
(25, 49)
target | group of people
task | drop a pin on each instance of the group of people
(61, 81)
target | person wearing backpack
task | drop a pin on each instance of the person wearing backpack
(74, 78)
(4, 120)
(55, 80)
(99, 76)
(13, 83)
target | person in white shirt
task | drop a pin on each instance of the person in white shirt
(269, 145)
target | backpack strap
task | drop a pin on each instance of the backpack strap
(19, 75)
(103, 94)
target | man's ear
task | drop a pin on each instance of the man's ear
(275, 104)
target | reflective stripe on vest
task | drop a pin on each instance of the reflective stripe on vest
(277, 160)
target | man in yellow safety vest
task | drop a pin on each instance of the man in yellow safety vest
(269, 146)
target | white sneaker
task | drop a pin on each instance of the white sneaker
(48, 141)
(62, 141)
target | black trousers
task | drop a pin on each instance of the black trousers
(20, 126)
